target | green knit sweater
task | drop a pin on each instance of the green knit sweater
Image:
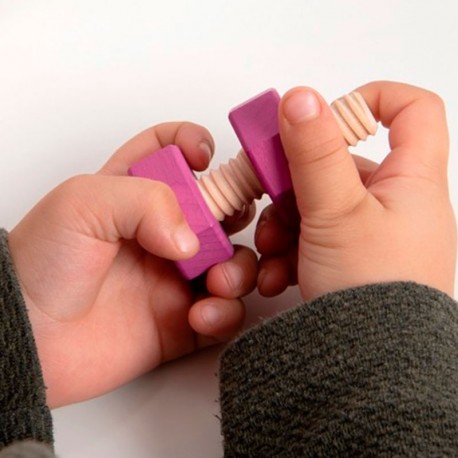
(23, 411)
(369, 371)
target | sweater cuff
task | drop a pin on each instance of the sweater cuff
(369, 369)
(23, 410)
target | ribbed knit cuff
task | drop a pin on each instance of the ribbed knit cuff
(23, 410)
(369, 371)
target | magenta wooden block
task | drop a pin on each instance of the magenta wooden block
(169, 166)
(256, 124)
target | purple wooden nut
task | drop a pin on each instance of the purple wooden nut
(256, 124)
(169, 166)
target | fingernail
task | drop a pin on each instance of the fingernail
(207, 149)
(301, 105)
(263, 274)
(243, 211)
(211, 315)
(185, 240)
(233, 275)
(263, 220)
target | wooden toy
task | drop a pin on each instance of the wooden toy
(259, 167)
(256, 124)
(169, 166)
(354, 118)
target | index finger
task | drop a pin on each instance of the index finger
(195, 142)
(416, 118)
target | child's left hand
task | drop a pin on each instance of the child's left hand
(93, 260)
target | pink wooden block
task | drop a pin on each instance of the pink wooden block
(256, 124)
(169, 166)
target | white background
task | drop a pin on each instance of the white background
(80, 77)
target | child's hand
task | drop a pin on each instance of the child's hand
(362, 222)
(105, 303)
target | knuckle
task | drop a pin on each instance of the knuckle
(435, 100)
(184, 129)
(322, 149)
(76, 182)
(72, 188)
(162, 191)
(160, 194)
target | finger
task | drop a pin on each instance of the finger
(113, 208)
(195, 142)
(235, 277)
(418, 128)
(275, 275)
(366, 167)
(324, 175)
(272, 237)
(239, 220)
(216, 319)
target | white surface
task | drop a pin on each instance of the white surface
(78, 78)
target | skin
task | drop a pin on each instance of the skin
(93, 257)
(362, 222)
(94, 262)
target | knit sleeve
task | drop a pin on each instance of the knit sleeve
(369, 371)
(23, 411)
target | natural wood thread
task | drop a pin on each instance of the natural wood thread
(235, 185)
(354, 118)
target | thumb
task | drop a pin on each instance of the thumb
(111, 209)
(325, 178)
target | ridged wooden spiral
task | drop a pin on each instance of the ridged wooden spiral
(354, 117)
(230, 187)
(235, 184)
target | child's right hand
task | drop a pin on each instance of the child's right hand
(362, 222)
